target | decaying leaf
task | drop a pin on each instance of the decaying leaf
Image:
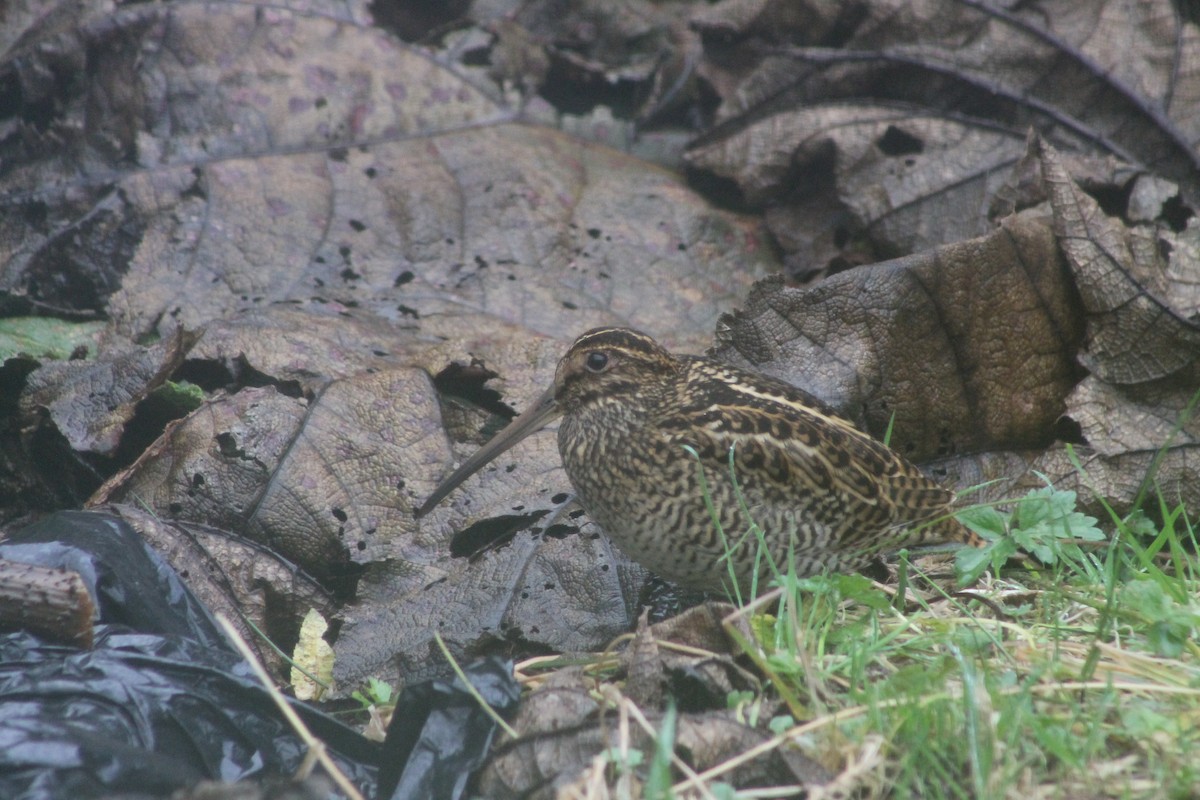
(382, 264)
(560, 588)
(885, 126)
(563, 728)
(236, 577)
(89, 402)
(327, 483)
(1133, 336)
(965, 348)
(688, 657)
(1134, 478)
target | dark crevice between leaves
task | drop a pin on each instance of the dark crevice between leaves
(30, 483)
(341, 581)
(232, 375)
(721, 191)
(150, 418)
(80, 267)
(60, 477)
(693, 691)
(693, 113)
(1176, 213)
(34, 91)
(491, 533)
(1068, 430)
(573, 90)
(467, 383)
(420, 20)
(510, 642)
(1113, 200)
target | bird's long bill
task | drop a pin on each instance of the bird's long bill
(537, 415)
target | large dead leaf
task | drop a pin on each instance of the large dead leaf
(967, 347)
(325, 483)
(545, 590)
(368, 175)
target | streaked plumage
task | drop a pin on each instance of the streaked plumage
(639, 423)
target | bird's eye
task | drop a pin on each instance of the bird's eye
(596, 361)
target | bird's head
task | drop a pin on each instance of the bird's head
(611, 365)
(603, 365)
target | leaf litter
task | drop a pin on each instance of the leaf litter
(341, 216)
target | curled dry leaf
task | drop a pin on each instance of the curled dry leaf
(1116, 420)
(699, 675)
(1136, 411)
(973, 348)
(638, 50)
(1133, 478)
(1133, 336)
(967, 347)
(904, 181)
(90, 402)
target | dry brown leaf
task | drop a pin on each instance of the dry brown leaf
(562, 728)
(326, 483)
(969, 347)
(909, 181)
(1134, 478)
(688, 657)
(90, 402)
(886, 125)
(571, 591)
(235, 577)
(1133, 336)
(304, 347)
(367, 176)
(1117, 419)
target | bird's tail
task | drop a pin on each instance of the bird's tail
(948, 530)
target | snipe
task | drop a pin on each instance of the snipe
(647, 435)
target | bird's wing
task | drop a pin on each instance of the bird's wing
(791, 438)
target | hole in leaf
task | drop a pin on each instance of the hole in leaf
(475, 539)
(896, 142)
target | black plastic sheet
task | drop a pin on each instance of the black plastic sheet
(442, 734)
(162, 701)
